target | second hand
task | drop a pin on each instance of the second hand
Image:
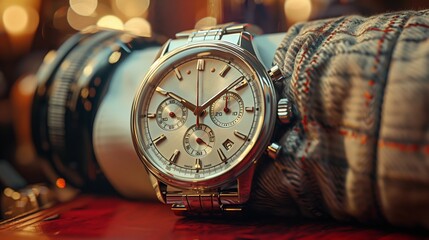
(200, 67)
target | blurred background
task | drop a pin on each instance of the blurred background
(30, 28)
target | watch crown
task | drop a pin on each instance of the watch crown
(275, 73)
(284, 110)
(273, 150)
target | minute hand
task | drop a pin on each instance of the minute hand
(185, 103)
(198, 110)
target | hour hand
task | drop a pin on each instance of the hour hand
(185, 103)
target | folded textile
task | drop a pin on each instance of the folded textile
(359, 148)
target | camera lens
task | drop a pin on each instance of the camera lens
(72, 84)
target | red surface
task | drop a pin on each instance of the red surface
(114, 218)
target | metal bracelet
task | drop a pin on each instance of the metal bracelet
(210, 203)
(217, 32)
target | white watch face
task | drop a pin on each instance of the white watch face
(200, 114)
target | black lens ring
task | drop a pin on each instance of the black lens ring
(63, 142)
(89, 92)
(41, 96)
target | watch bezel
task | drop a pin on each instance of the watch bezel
(156, 73)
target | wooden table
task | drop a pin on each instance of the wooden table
(95, 217)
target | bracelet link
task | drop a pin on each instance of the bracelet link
(217, 32)
(211, 203)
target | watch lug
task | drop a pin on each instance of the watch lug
(244, 183)
(246, 42)
(164, 49)
(159, 187)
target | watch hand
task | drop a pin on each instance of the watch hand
(198, 96)
(185, 103)
(226, 109)
(215, 97)
(201, 141)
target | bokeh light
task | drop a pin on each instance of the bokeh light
(132, 8)
(27, 85)
(60, 183)
(114, 57)
(15, 19)
(138, 26)
(16, 196)
(60, 18)
(8, 192)
(79, 22)
(19, 20)
(297, 10)
(111, 22)
(205, 22)
(84, 7)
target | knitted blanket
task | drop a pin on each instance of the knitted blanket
(359, 148)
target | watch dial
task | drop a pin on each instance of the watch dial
(199, 116)
(227, 110)
(171, 114)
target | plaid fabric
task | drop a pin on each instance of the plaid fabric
(360, 147)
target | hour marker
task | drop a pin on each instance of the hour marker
(221, 155)
(174, 156)
(250, 109)
(224, 71)
(241, 85)
(161, 91)
(159, 139)
(240, 135)
(200, 65)
(178, 74)
(151, 115)
(198, 164)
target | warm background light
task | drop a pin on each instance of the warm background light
(297, 10)
(79, 22)
(15, 19)
(132, 8)
(20, 20)
(206, 22)
(111, 22)
(84, 7)
(138, 26)
(59, 20)
(60, 183)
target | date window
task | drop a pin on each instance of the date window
(228, 144)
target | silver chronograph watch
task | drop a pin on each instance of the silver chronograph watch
(203, 116)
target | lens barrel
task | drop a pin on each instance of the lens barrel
(71, 85)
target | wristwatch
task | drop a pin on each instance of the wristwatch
(203, 116)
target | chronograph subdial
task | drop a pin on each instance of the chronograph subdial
(199, 140)
(227, 110)
(171, 114)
